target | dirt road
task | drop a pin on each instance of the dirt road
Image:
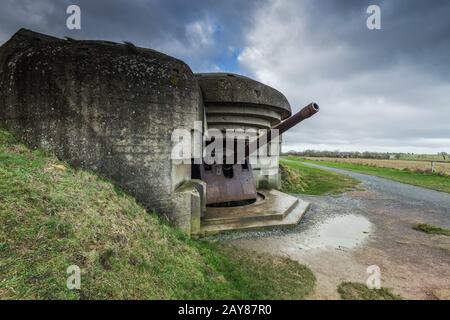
(341, 236)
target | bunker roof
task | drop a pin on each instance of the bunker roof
(233, 89)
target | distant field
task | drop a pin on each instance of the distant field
(413, 165)
(424, 179)
(424, 157)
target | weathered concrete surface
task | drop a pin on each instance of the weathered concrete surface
(190, 200)
(227, 89)
(273, 209)
(102, 106)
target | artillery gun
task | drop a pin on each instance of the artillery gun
(236, 102)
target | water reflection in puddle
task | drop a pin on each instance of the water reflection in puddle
(339, 232)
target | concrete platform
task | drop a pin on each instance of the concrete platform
(272, 210)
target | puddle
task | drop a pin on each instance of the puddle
(339, 232)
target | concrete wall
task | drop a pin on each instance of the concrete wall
(102, 106)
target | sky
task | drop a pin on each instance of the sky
(384, 90)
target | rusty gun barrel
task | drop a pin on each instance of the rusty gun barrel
(282, 127)
(307, 112)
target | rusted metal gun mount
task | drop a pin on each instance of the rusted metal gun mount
(234, 183)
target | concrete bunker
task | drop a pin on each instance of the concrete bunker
(112, 108)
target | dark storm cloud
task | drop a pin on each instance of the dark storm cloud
(413, 31)
(203, 32)
(383, 89)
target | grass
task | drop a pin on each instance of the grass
(300, 178)
(53, 216)
(426, 180)
(427, 228)
(427, 167)
(359, 291)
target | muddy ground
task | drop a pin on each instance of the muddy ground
(340, 236)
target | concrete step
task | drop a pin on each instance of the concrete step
(275, 206)
(290, 219)
(254, 217)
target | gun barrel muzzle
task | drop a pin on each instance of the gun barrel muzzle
(305, 113)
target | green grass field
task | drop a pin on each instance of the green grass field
(427, 228)
(426, 180)
(359, 291)
(300, 178)
(53, 216)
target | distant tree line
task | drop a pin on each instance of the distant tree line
(359, 155)
(342, 154)
(445, 155)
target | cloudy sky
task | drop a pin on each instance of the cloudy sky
(379, 90)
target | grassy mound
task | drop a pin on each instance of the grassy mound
(297, 177)
(53, 216)
(292, 181)
(359, 291)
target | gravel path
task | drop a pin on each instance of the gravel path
(342, 235)
(403, 193)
